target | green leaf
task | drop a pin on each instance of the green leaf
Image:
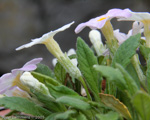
(62, 116)
(81, 117)
(43, 78)
(23, 105)
(141, 102)
(131, 70)
(148, 74)
(145, 51)
(49, 102)
(45, 70)
(131, 84)
(114, 103)
(59, 91)
(126, 50)
(74, 102)
(107, 116)
(112, 74)
(86, 60)
(60, 73)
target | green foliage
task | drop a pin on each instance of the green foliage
(130, 83)
(23, 105)
(74, 102)
(148, 74)
(60, 73)
(86, 60)
(141, 102)
(112, 74)
(59, 91)
(112, 115)
(126, 50)
(115, 104)
(62, 116)
(145, 51)
(45, 70)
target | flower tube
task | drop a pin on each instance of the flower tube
(48, 40)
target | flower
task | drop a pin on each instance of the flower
(48, 40)
(53, 47)
(99, 22)
(103, 23)
(28, 80)
(9, 80)
(96, 40)
(143, 17)
(16, 91)
(136, 28)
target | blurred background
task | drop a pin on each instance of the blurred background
(23, 20)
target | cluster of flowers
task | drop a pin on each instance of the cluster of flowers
(19, 81)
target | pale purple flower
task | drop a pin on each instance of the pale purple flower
(136, 28)
(99, 22)
(9, 80)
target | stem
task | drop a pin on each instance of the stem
(135, 62)
(85, 87)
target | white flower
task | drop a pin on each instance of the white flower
(48, 40)
(54, 48)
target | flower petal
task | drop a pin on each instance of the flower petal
(44, 37)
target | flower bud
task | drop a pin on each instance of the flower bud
(95, 38)
(28, 80)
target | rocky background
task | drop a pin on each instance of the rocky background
(23, 20)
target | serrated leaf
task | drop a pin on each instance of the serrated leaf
(114, 103)
(62, 116)
(145, 51)
(74, 102)
(107, 116)
(86, 60)
(45, 70)
(126, 50)
(49, 102)
(130, 82)
(148, 74)
(60, 73)
(23, 105)
(141, 102)
(59, 91)
(112, 74)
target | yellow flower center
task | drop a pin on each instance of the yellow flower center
(103, 18)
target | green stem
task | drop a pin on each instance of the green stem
(85, 87)
(141, 76)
